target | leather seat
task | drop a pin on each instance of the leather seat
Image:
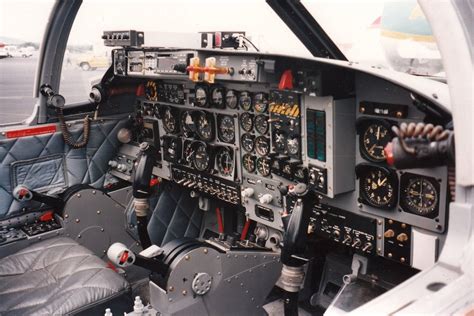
(57, 277)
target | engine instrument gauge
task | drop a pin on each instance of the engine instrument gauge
(378, 186)
(261, 123)
(419, 195)
(248, 162)
(248, 142)
(225, 161)
(279, 141)
(301, 174)
(171, 148)
(262, 145)
(188, 124)
(246, 121)
(226, 128)
(170, 118)
(201, 158)
(231, 99)
(260, 102)
(293, 145)
(151, 91)
(264, 165)
(374, 135)
(200, 98)
(188, 153)
(205, 126)
(217, 97)
(245, 101)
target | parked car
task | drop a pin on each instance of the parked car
(91, 61)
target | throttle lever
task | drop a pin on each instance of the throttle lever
(22, 193)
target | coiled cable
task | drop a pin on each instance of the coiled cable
(68, 139)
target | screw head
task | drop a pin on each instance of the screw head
(187, 257)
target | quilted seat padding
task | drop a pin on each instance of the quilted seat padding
(86, 165)
(55, 277)
(175, 215)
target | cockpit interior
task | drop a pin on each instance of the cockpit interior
(218, 181)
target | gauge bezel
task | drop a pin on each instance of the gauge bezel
(211, 92)
(184, 127)
(150, 84)
(406, 179)
(196, 145)
(254, 103)
(236, 94)
(220, 151)
(268, 161)
(362, 126)
(204, 87)
(254, 161)
(176, 116)
(250, 136)
(276, 148)
(251, 117)
(298, 151)
(167, 140)
(265, 118)
(210, 118)
(363, 170)
(249, 95)
(267, 141)
(220, 118)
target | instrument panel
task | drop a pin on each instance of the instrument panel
(242, 142)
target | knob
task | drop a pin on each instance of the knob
(402, 237)
(266, 198)
(389, 233)
(336, 234)
(247, 192)
(113, 163)
(122, 167)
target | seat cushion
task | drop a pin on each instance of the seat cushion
(56, 277)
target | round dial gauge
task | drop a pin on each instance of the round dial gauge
(379, 187)
(301, 174)
(226, 128)
(279, 141)
(205, 126)
(231, 99)
(248, 162)
(262, 145)
(188, 124)
(260, 102)
(200, 98)
(225, 161)
(263, 166)
(293, 145)
(217, 97)
(245, 101)
(261, 124)
(151, 92)
(373, 140)
(420, 196)
(188, 153)
(170, 120)
(202, 159)
(247, 141)
(246, 121)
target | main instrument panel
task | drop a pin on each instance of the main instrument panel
(242, 138)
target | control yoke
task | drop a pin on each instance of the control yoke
(142, 190)
(143, 172)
